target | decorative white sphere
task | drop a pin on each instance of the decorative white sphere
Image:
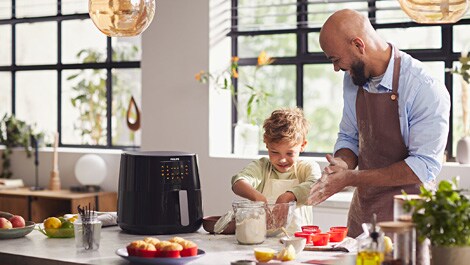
(90, 170)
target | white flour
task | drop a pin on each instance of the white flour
(251, 230)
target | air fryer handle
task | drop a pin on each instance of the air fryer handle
(184, 209)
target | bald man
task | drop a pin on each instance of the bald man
(394, 126)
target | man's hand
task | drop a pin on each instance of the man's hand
(334, 178)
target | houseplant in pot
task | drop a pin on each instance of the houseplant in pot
(443, 216)
(15, 133)
(247, 100)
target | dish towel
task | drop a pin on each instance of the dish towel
(106, 218)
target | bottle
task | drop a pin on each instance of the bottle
(371, 245)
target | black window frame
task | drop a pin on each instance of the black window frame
(108, 65)
(303, 57)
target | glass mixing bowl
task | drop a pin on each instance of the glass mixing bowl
(278, 215)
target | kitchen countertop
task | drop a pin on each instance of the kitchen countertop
(37, 249)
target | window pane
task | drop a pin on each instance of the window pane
(266, 14)
(36, 98)
(389, 11)
(461, 37)
(91, 43)
(36, 8)
(43, 50)
(323, 105)
(313, 42)
(457, 112)
(84, 107)
(274, 45)
(5, 9)
(413, 38)
(126, 84)
(74, 6)
(278, 81)
(319, 11)
(127, 49)
(5, 45)
(5, 93)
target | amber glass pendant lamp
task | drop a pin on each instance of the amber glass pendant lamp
(121, 18)
(435, 11)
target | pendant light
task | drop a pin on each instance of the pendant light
(121, 18)
(434, 11)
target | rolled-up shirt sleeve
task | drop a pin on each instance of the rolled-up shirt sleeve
(428, 121)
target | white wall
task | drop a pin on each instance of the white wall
(174, 107)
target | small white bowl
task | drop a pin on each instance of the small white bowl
(297, 242)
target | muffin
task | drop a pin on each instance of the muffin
(177, 239)
(172, 250)
(141, 248)
(189, 248)
(160, 245)
(151, 240)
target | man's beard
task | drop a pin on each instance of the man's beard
(357, 73)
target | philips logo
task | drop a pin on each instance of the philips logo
(174, 159)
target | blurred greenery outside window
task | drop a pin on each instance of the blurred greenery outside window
(57, 55)
(301, 76)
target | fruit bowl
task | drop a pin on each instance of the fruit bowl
(57, 232)
(17, 232)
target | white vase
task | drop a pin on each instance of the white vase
(246, 142)
(463, 150)
(450, 255)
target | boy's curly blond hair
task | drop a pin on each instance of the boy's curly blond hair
(286, 125)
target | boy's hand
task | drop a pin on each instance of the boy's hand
(286, 197)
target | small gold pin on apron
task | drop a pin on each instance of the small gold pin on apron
(393, 96)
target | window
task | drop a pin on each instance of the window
(288, 30)
(58, 71)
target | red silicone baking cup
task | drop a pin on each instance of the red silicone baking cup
(187, 252)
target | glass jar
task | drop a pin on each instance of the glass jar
(250, 222)
(404, 243)
(87, 230)
(399, 212)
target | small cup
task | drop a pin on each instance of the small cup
(307, 236)
(320, 239)
(338, 233)
(297, 242)
(311, 229)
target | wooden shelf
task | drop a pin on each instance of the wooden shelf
(38, 205)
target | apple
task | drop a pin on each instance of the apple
(17, 221)
(5, 224)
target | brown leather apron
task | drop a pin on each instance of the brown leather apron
(380, 145)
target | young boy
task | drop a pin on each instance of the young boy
(283, 177)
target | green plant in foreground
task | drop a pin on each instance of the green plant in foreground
(442, 216)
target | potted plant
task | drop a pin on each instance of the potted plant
(246, 139)
(15, 133)
(463, 145)
(443, 216)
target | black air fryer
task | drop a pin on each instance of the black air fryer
(159, 193)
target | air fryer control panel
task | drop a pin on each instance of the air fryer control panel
(175, 172)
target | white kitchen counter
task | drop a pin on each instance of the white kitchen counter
(36, 249)
(340, 200)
